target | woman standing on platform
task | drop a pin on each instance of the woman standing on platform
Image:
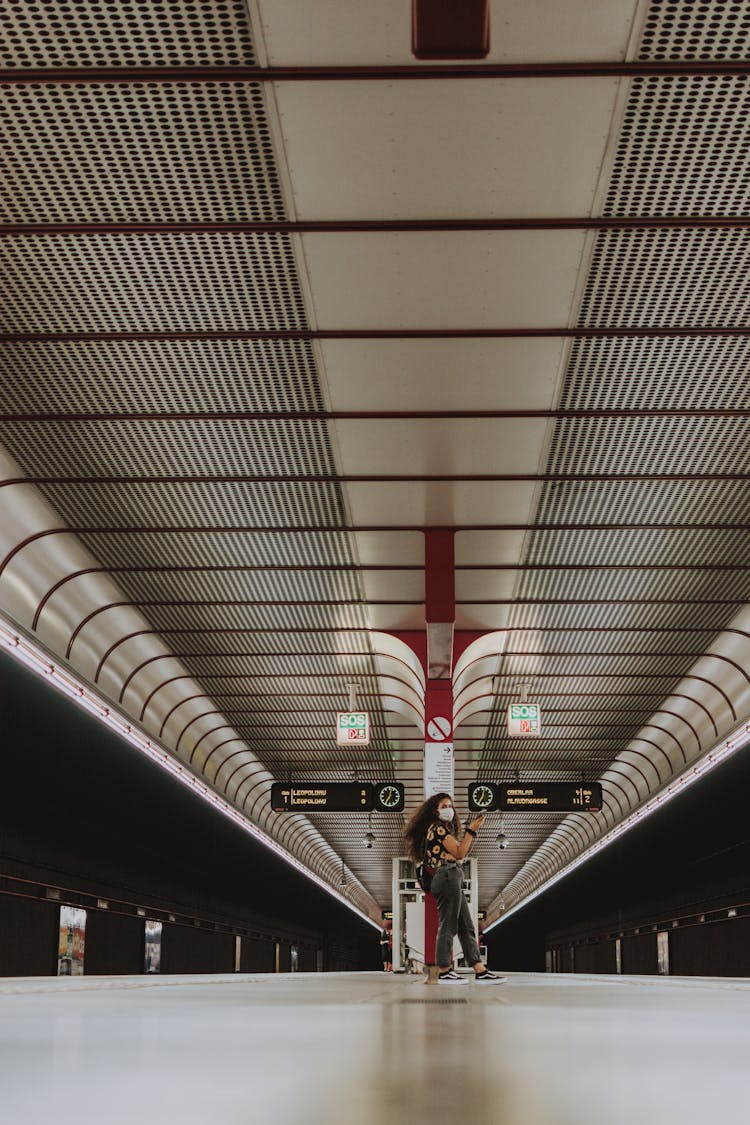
(386, 937)
(432, 838)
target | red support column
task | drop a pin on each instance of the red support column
(440, 616)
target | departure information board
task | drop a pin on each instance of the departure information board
(535, 796)
(337, 796)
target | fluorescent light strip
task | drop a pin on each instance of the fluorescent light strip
(718, 754)
(37, 660)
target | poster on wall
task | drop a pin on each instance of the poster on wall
(152, 947)
(71, 941)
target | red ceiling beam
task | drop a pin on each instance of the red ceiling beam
(634, 331)
(379, 226)
(117, 417)
(403, 73)
(130, 480)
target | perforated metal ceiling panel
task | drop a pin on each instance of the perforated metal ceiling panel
(220, 569)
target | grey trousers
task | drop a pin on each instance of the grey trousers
(453, 917)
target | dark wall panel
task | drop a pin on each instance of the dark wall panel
(114, 944)
(257, 956)
(186, 950)
(725, 946)
(639, 955)
(107, 823)
(599, 958)
(28, 937)
(307, 960)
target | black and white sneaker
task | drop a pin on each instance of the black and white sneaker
(451, 977)
(489, 978)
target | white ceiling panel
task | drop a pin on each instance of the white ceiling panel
(476, 547)
(449, 279)
(380, 585)
(437, 504)
(441, 445)
(401, 150)
(358, 33)
(395, 617)
(376, 548)
(458, 374)
(482, 617)
(485, 584)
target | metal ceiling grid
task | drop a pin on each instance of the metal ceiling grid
(167, 616)
(695, 29)
(200, 504)
(667, 162)
(128, 153)
(696, 128)
(655, 546)
(211, 543)
(667, 278)
(226, 644)
(657, 373)
(669, 446)
(159, 376)
(150, 282)
(151, 151)
(257, 587)
(58, 33)
(202, 448)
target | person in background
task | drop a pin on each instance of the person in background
(432, 837)
(385, 949)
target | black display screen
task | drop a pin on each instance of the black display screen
(535, 796)
(329, 796)
(337, 796)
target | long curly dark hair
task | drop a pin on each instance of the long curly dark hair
(416, 830)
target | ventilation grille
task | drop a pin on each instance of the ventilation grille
(589, 665)
(190, 375)
(611, 642)
(694, 131)
(293, 665)
(246, 547)
(660, 501)
(133, 449)
(198, 505)
(138, 152)
(633, 617)
(658, 373)
(190, 282)
(436, 1000)
(649, 546)
(268, 618)
(251, 586)
(653, 445)
(202, 643)
(668, 278)
(696, 29)
(61, 33)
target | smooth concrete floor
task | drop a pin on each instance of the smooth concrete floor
(374, 1047)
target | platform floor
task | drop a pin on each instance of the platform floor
(355, 1049)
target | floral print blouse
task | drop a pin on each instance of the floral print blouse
(435, 854)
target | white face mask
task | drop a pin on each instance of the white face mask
(445, 814)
